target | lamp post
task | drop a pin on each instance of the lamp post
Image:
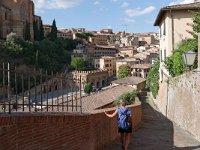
(189, 58)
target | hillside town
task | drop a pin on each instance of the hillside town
(60, 86)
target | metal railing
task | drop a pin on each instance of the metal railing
(37, 91)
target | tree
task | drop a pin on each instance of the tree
(36, 31)
(77, 63)
(53, 34)
(27, 35)
(124, 71)
(88, 88)
(41, 30)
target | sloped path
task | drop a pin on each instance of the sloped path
(158, 133)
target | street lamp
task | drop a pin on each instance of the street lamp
(189, 58)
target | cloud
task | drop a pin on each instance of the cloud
(56, 4)
(129, 20)
(113, 0)
(124, 5)
(182, 2)
(96, 3)
(139, 11)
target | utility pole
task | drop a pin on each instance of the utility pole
(125, 25)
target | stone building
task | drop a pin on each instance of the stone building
(66, 34)
(106, 63)
(98, 51)
(129, 51)
(14, 14)
(100, 39)
(146, 39)
(140, 70)
(47, 29)
(98, 78)
(126, 61)
(175, 26)
(137, 83)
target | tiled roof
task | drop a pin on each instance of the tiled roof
(191, 6)
(129, 81)
(127, 60)
(104, 97)
(141, 66)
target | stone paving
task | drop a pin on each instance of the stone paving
(158, 133)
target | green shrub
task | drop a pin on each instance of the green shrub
(153, 78)
(129, 97)
(88, 88)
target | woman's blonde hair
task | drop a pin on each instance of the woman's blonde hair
(123, 102)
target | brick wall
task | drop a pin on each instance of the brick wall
(60, 132)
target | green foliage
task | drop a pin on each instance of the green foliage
(153, 78)
(13, 46)
(77, 63)
(41, 29)
(129, 97)
(175, 63)
(36, 31)
(124, 71)
(196, 24)
(45, 54)
(27, 35)
(53, 34)
(88, 88)
(84, 35)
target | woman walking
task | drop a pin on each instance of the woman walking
(124, 123)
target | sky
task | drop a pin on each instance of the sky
(135, 16)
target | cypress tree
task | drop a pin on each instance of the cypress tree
(41, 30)
(27, 35)
(53, 34)
(36, 31)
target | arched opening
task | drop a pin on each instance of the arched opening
(103, 83)
(98, 84)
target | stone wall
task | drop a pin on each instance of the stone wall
(61, 132)
(179, 99)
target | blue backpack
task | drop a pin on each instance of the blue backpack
(124, 118)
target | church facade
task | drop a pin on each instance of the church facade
(14, 14)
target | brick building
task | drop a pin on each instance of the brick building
(98, 78)
(106, 63)
(13, 17)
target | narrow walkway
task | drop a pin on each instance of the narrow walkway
(158, 133)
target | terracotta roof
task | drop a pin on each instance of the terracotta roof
(191, 6)
(104, 97)
(127, 60)
(129, 80)
(141, 66)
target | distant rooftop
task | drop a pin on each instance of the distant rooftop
(104, 46)
(141, 66)
(127, 60)
(129, 81)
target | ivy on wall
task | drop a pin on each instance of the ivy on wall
(153, 78)
(175, 63)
